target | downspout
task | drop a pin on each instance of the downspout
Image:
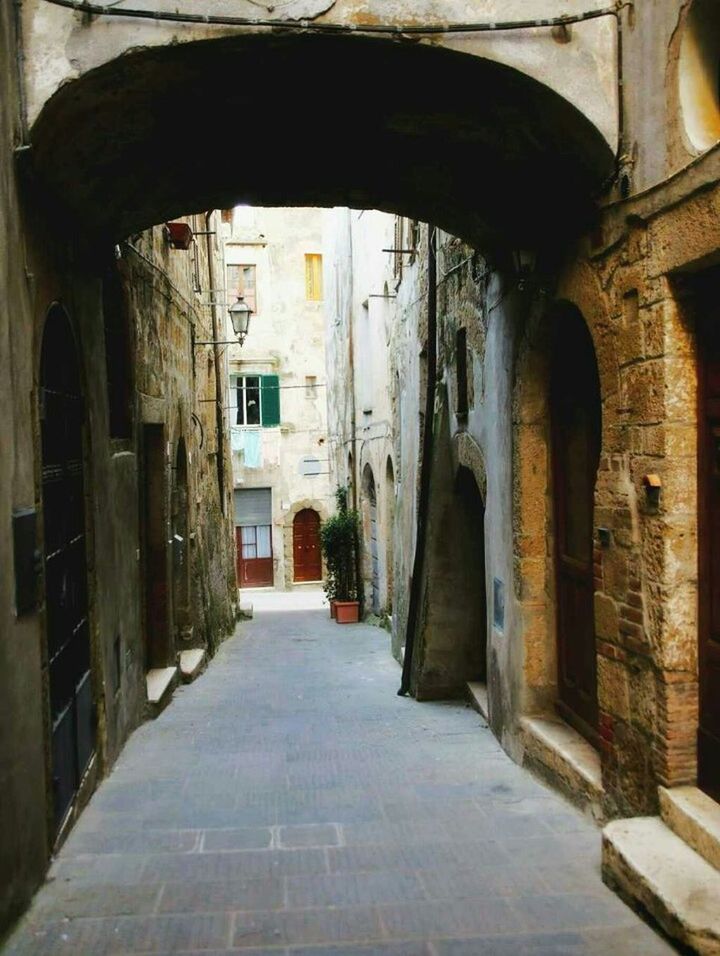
(353, 417)
(219, 402)
(20, 64)
(425, 469)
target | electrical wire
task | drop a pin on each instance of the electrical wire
(398, 30)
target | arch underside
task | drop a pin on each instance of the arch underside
(476, 147)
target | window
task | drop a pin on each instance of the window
(313, 277)
(256, 542)
(257, 398)
(310, 386)
(242, 280)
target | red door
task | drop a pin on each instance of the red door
(576, 422)
(254, 556)
(307, 560)
(709, 559)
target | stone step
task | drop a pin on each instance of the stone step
(656, 872)
(478, 695)
(563, 758)
(160, 682)
(192, 663)
(695, 818)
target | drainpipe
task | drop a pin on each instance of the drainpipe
(219, 402)
(425, 469)
(353, 417)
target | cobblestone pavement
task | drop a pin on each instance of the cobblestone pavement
(288, 802)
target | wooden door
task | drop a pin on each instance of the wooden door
(66, 595)
(709, 557)
(576, 424)
(154, 545)
(307, 558)
(254, 556)
(374, 553)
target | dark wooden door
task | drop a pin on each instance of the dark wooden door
(307, 559)
(374, 553)
(576, 423)
(66, 597)
(709, 557)
(254, 556)
(154, 539)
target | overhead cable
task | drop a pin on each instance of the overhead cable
(397, 30)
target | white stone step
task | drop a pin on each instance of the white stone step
(160, 682)
(479, 697)
(192, 663)
(695, 818)
(654, 870)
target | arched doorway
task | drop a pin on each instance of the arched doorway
(307, 557)
(180, 548)
(65, 563)
(576, 419)
(470, 517)
(389, 531)
(370, 496)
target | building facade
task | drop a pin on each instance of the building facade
(277, 408)
(117, 551)
(546, 392)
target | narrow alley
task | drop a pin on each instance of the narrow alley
(290, 802)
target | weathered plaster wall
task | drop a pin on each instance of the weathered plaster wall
(23, 849)
(63, 45)
(36, 270)
(362, 391)
(287, 339)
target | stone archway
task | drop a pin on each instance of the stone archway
(104, 143)
(451, 640)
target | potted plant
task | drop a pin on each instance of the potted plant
(338, 539)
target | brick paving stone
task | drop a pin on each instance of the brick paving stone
(289, 803)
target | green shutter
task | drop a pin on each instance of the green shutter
(270, 385)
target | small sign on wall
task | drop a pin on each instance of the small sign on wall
(498, 604)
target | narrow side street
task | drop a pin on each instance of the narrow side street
(289, 802)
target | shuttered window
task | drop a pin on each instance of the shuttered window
(270, 400)
(253, 506)
(313, 277)
(257, 399)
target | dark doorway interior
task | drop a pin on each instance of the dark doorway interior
(154, 547)
(66, 594)
(576, 419)
(307, 557)
(470, 510)
(371, 495)
(180, 545)
(709, 543)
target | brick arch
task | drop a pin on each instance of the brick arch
(633, 697)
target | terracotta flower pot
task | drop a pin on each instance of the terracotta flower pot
(332, 609)
(347, 612)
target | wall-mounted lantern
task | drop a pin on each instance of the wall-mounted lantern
(179, 235)
(239, 313)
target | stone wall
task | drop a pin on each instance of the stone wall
(152, 289)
